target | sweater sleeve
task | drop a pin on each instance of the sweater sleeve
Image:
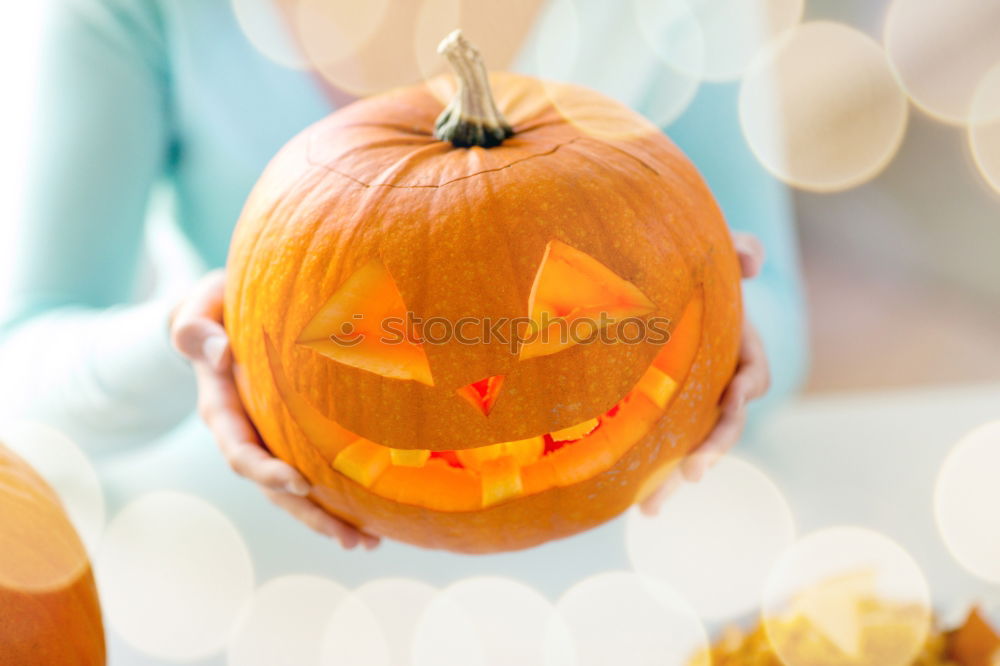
(752, 201)
(75, 350)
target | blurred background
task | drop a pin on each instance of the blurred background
(902, 265)
(903, 272)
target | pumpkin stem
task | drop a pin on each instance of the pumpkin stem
(472, 118)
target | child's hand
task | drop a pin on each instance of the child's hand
(197, 332)
(751, 381)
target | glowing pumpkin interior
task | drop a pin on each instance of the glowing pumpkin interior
(570, 287)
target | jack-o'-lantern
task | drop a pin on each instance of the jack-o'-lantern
(386, 250)
(49, 612)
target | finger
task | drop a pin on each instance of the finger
(196, 329)
(750, 252)
(251, 461)
(369, 541)
(752, 380)
(724, 437)
(220, 407)
(322, 522)
(753, 376)
(651, 505)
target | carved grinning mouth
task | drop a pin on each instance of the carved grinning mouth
(471, 479)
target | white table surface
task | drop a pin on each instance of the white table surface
(860, 459)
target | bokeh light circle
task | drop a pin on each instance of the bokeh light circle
(567, 48)
(66, 468)
(846, 596)
(715, 541)
(715, 39)
(966, 500)
(332, 31)
(376, 624)
(435, 19)
(941, 50)
(499, 30)
(174, 574)
(984, 128)
(340, 39)
(674, 33)
(621, 617)
(820, 108)
(269, 32)
(354, 635)
(555, 50)
(40, 551)
(487, 621)
(284, 623)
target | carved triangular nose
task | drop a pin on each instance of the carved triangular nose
(483, 393)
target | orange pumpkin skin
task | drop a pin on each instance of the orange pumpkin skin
(463, 231)
(49, 610)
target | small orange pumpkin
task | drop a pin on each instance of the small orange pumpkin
(49, 611)
(577, 215)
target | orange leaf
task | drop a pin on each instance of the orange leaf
(975, 643)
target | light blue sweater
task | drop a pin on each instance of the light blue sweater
(136, 92)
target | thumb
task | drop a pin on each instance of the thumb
(750, 251)
(196, 330)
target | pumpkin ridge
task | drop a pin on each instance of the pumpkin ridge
(244, 302)
(696, 269)
(394, 142)
(621, 150)
(298, 203)
(409, 161)
(292, 212)
(408, 130)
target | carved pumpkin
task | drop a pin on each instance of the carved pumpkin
(577, 214)
(49, 612)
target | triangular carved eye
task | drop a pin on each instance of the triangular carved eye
(363, 325)
(574, 293)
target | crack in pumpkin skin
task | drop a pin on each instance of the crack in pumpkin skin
(539, 130)
(472, 479)
(457, 178)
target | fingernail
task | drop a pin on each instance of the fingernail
(297, 487)
(213, 350)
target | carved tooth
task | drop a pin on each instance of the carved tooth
(525, 451)
(477, 457)
(501, 480)
(362, 461)
(657, 385)
(409, 457)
